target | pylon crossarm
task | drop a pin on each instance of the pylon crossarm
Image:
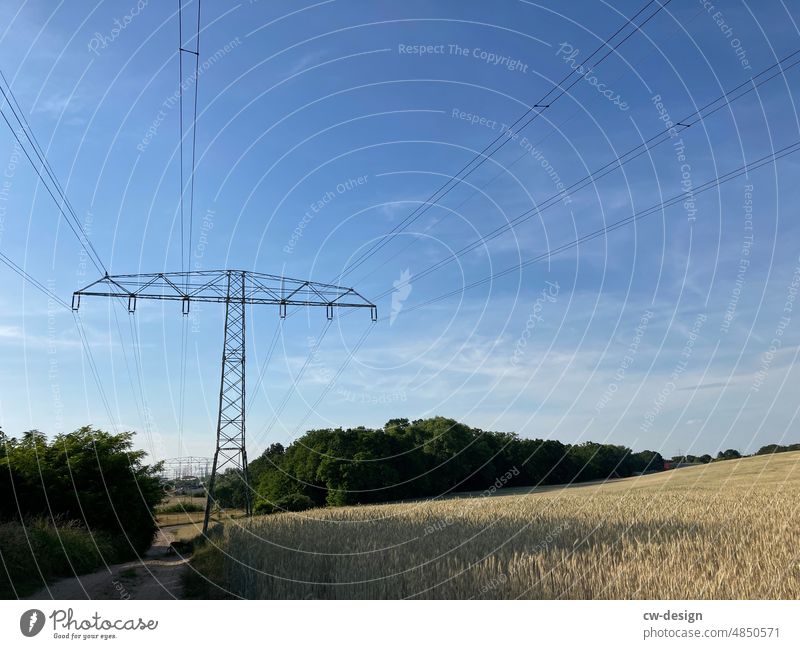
(175, 288)
(296, 291)
(210, 285)
(258, 285)
(256, 288)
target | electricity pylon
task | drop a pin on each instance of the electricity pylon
(236, 289)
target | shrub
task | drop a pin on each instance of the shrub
(291, 503)
(38, 551)
(88, 475)
(181, 507)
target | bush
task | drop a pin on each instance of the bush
(90, 476)
(180, 508)
(291, 503)
(38, 551)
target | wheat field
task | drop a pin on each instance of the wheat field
(728, 530)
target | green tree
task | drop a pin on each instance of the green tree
(89, 476)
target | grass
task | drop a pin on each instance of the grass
(206, 577)
(180, 506)
(187, 523)
(727, 530)
(38, 551)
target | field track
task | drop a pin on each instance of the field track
(158, 575)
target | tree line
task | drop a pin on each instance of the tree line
(417, 459)
(427, 458)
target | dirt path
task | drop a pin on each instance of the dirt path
(158, 575)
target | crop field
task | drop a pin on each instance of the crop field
(727, 530)
(183, 516)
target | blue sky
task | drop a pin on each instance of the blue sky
(623, 339)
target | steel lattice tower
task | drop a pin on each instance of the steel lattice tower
(231, 448)
(236, 289)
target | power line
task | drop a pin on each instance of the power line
(194, 129)
(74, 224)
(182, 393)
(279, 410)
(665, 135)
(22, 121)
(504, 169)
(81, 333)
(74, 227)
(545, 102)
(180, 125)
(677, 199)
(33, 281)
(186, 246)
(136, 353)
(93, 368)
(262, 371)
(312, 408)
(482, 154)
(130, 376)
